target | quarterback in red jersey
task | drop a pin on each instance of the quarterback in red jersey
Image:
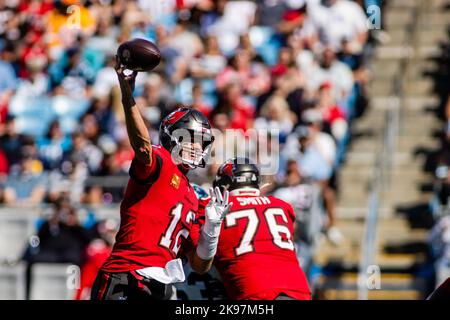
(159, 207)
(255, 255)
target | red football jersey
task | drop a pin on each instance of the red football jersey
(157, 215)
(255, 256)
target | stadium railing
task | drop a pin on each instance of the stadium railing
(383, 165)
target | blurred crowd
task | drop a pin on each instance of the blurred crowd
(295, 67)
(438, 163)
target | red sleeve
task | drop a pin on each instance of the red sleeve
(144, 173)
(192, 241)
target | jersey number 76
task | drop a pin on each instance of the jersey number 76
(276, 230)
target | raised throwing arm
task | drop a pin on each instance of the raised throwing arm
(137, 131)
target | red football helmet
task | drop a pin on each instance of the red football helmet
(237, 173)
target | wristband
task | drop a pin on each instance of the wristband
(129, 102)
(207, 242)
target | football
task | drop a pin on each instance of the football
(139, 55)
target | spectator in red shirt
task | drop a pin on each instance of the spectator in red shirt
(198, 101)
(253, 77)
(3, 163)
(285, 59)
(95, 255)
(124, 155)
(232, 103)
(333, 115)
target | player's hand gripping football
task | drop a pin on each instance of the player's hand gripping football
(126, 82)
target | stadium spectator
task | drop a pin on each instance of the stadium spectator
(26, 184)
(321, 140)
(8, 79)
(101, 110)
(315, 162)
(154, 101)
(226, 141)
(198, 101)
(270, 12)
(209, 64)
(94, 255)
(337, 21)
(11, 141)
(86, 152)
(276, 115)
(185, 42)
(104, 82)
(232, 19)
(232, 102)
(4, 169)
(61, 239)
(312, 163)
(333, 116)
(251, 76)
(331, 70)
(63, 28)
(53, 146)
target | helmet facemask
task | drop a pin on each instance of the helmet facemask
(191, 148)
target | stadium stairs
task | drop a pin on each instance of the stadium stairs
(415, 30)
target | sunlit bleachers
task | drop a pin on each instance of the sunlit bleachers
(12, 282)
(16, 226)
(52, 281)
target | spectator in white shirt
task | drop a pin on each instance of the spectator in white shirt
(323, 141)
(339, 20)
(275, 115)
(236, 20)
(331, 70)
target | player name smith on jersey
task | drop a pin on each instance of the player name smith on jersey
(247, 201)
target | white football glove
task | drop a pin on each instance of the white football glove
(215, 212)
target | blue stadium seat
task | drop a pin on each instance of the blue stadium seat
(31, 125)
(65, 106)
(68, 124)
(183, 91)
(208, 86)
(266, 43)
(167, 20)
(210, 100)
(39, 107)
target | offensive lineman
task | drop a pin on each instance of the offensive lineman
(255, 255)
